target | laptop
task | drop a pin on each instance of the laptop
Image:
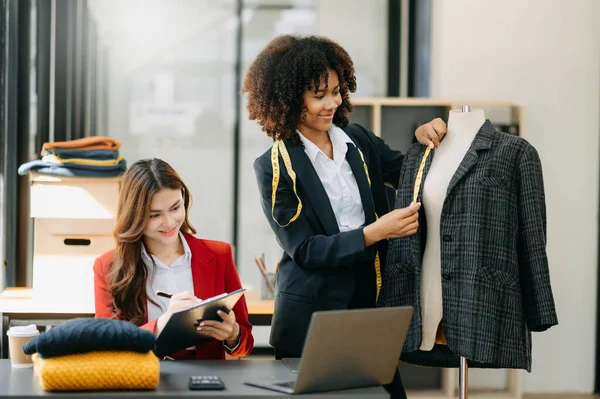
(345, 349)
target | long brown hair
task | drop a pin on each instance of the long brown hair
(128, 276)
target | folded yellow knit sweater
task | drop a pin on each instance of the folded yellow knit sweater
(52, 158)
(102, 370)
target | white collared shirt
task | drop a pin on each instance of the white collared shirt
(173, 279)
(337, 179)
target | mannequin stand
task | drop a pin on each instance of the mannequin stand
(463, 379)
(463, 371)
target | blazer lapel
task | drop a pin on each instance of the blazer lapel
(483, 141)
(204, 269)
(358, 169)
(307, 177)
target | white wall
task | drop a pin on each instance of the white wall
(544, 55)
(362, 30)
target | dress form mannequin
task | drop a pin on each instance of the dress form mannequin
(462, 128)
(489, 279)
(463, 125)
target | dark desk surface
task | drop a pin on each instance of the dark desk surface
(174, 376)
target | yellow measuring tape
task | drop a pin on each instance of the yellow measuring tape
(378, 279)
(420, 175)
(279, 147)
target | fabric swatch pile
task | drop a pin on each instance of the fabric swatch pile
(95, 354)
(96, 156)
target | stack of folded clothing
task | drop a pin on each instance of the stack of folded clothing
(95, 354)
(89, 157)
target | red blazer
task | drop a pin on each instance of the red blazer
(213, 272)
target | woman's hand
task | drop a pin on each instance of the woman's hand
(431, 133)
(227, 330)
(181, 301)
(397, 223)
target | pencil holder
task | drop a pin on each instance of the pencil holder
(267, 288)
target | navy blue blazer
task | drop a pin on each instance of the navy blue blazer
(322, 268)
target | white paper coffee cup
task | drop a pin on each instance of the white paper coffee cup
(17, 337)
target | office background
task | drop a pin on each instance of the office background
(163, 77)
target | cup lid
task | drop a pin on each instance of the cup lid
(23, 331)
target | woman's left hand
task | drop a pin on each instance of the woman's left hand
(227, 330)
(431, 133)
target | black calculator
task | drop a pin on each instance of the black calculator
(206, 382)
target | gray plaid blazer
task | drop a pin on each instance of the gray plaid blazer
(495, 280)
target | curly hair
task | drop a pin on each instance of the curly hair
(281, 73)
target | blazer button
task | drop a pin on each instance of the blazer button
(446, 276)
(447, 238)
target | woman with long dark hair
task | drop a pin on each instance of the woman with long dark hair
(156, 251)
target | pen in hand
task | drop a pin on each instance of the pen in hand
(167, 295)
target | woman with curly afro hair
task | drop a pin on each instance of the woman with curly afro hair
(322, 185)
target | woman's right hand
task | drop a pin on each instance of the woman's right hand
(397, 223)
(180, 301)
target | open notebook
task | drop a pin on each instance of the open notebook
(180, 331)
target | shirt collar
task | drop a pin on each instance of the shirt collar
(310, 148)
(187, 252)
(338, 138)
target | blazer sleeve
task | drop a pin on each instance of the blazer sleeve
(298, 239)
(232, 283)
(535, 277)
(102, 299)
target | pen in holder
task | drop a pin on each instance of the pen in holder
(267, 286)
(267, 291)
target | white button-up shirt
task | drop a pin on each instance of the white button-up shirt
(337, 179)
(172, 279)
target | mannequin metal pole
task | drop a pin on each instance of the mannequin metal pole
(463, 372)
(463, 379)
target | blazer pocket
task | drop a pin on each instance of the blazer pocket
(498, 276)
(397, 290)
(493, 181)
(396, 268)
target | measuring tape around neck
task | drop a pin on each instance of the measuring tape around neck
(279, 148)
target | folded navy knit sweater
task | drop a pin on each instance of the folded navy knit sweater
(88, 335)
(72, 169)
